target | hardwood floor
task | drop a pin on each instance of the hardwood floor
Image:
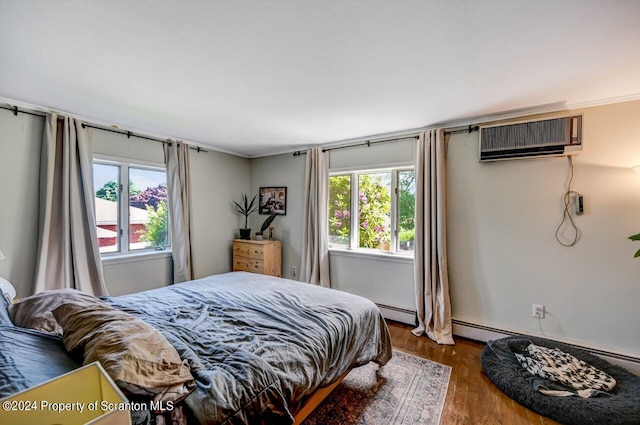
(472, 399)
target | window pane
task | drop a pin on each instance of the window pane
(340, 210)
(406, 210)
(374, 209)
(105, 185)
(148, 219)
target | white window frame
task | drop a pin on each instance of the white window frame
(123, 207)
(354, 230)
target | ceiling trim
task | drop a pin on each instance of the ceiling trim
(476, 120)
(36, 108)
(602, 102)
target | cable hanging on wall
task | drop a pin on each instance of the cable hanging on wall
(567, 216)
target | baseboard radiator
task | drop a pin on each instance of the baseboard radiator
(398, 314)
(485, 333)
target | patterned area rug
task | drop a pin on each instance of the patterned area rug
(407, 390)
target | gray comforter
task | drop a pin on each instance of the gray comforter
(257, 345)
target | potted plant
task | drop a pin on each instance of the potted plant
(406, 239)
(265, 226)
(246, 208)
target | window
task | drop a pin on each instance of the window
(340, 210)
(131, 207)
(373, 210)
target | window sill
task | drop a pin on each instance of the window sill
(373, 254)
(110, 259)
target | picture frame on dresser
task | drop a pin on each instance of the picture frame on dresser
(273, 200)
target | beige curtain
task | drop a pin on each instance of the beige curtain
(68, 252)
(431, 278)
(179, 194)
(315, 228)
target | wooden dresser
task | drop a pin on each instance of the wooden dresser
(257, 257)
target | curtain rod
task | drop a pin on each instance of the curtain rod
(368, 143)
(469, 130)
(129, 134)
(15, 111)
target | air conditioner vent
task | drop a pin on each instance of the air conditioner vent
(551, 137)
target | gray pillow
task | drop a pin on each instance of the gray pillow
(34, 312)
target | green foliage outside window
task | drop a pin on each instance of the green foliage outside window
(374, 203)
(339, 209)
(109, 191)
(156, 231)
(407, 209)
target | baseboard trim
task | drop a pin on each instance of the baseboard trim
(485, 333)
(397, 314)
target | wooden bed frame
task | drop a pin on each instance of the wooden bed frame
(314, 400)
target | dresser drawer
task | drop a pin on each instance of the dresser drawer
(241, 264)
(248, 250)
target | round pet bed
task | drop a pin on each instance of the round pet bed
(622, 407)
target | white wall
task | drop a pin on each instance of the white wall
(217, 179)
(137, 274)
(288, 171)
(20, 139)
(382, 279)
(376, 155)
(503, 256)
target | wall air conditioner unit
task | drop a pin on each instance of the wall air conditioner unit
(531, 139)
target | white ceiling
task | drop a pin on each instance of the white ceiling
(258, 77)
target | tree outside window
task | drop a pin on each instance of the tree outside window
(151, 196)
(374, 210)
(376, 225)
(340, 210)
(406, 210)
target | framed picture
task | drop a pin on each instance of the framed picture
(273, 200)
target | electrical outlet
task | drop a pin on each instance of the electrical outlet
(293, 271)
(538, 311)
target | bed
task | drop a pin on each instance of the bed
(258, 348)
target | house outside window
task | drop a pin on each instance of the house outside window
(373, 210)
(131, 206)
